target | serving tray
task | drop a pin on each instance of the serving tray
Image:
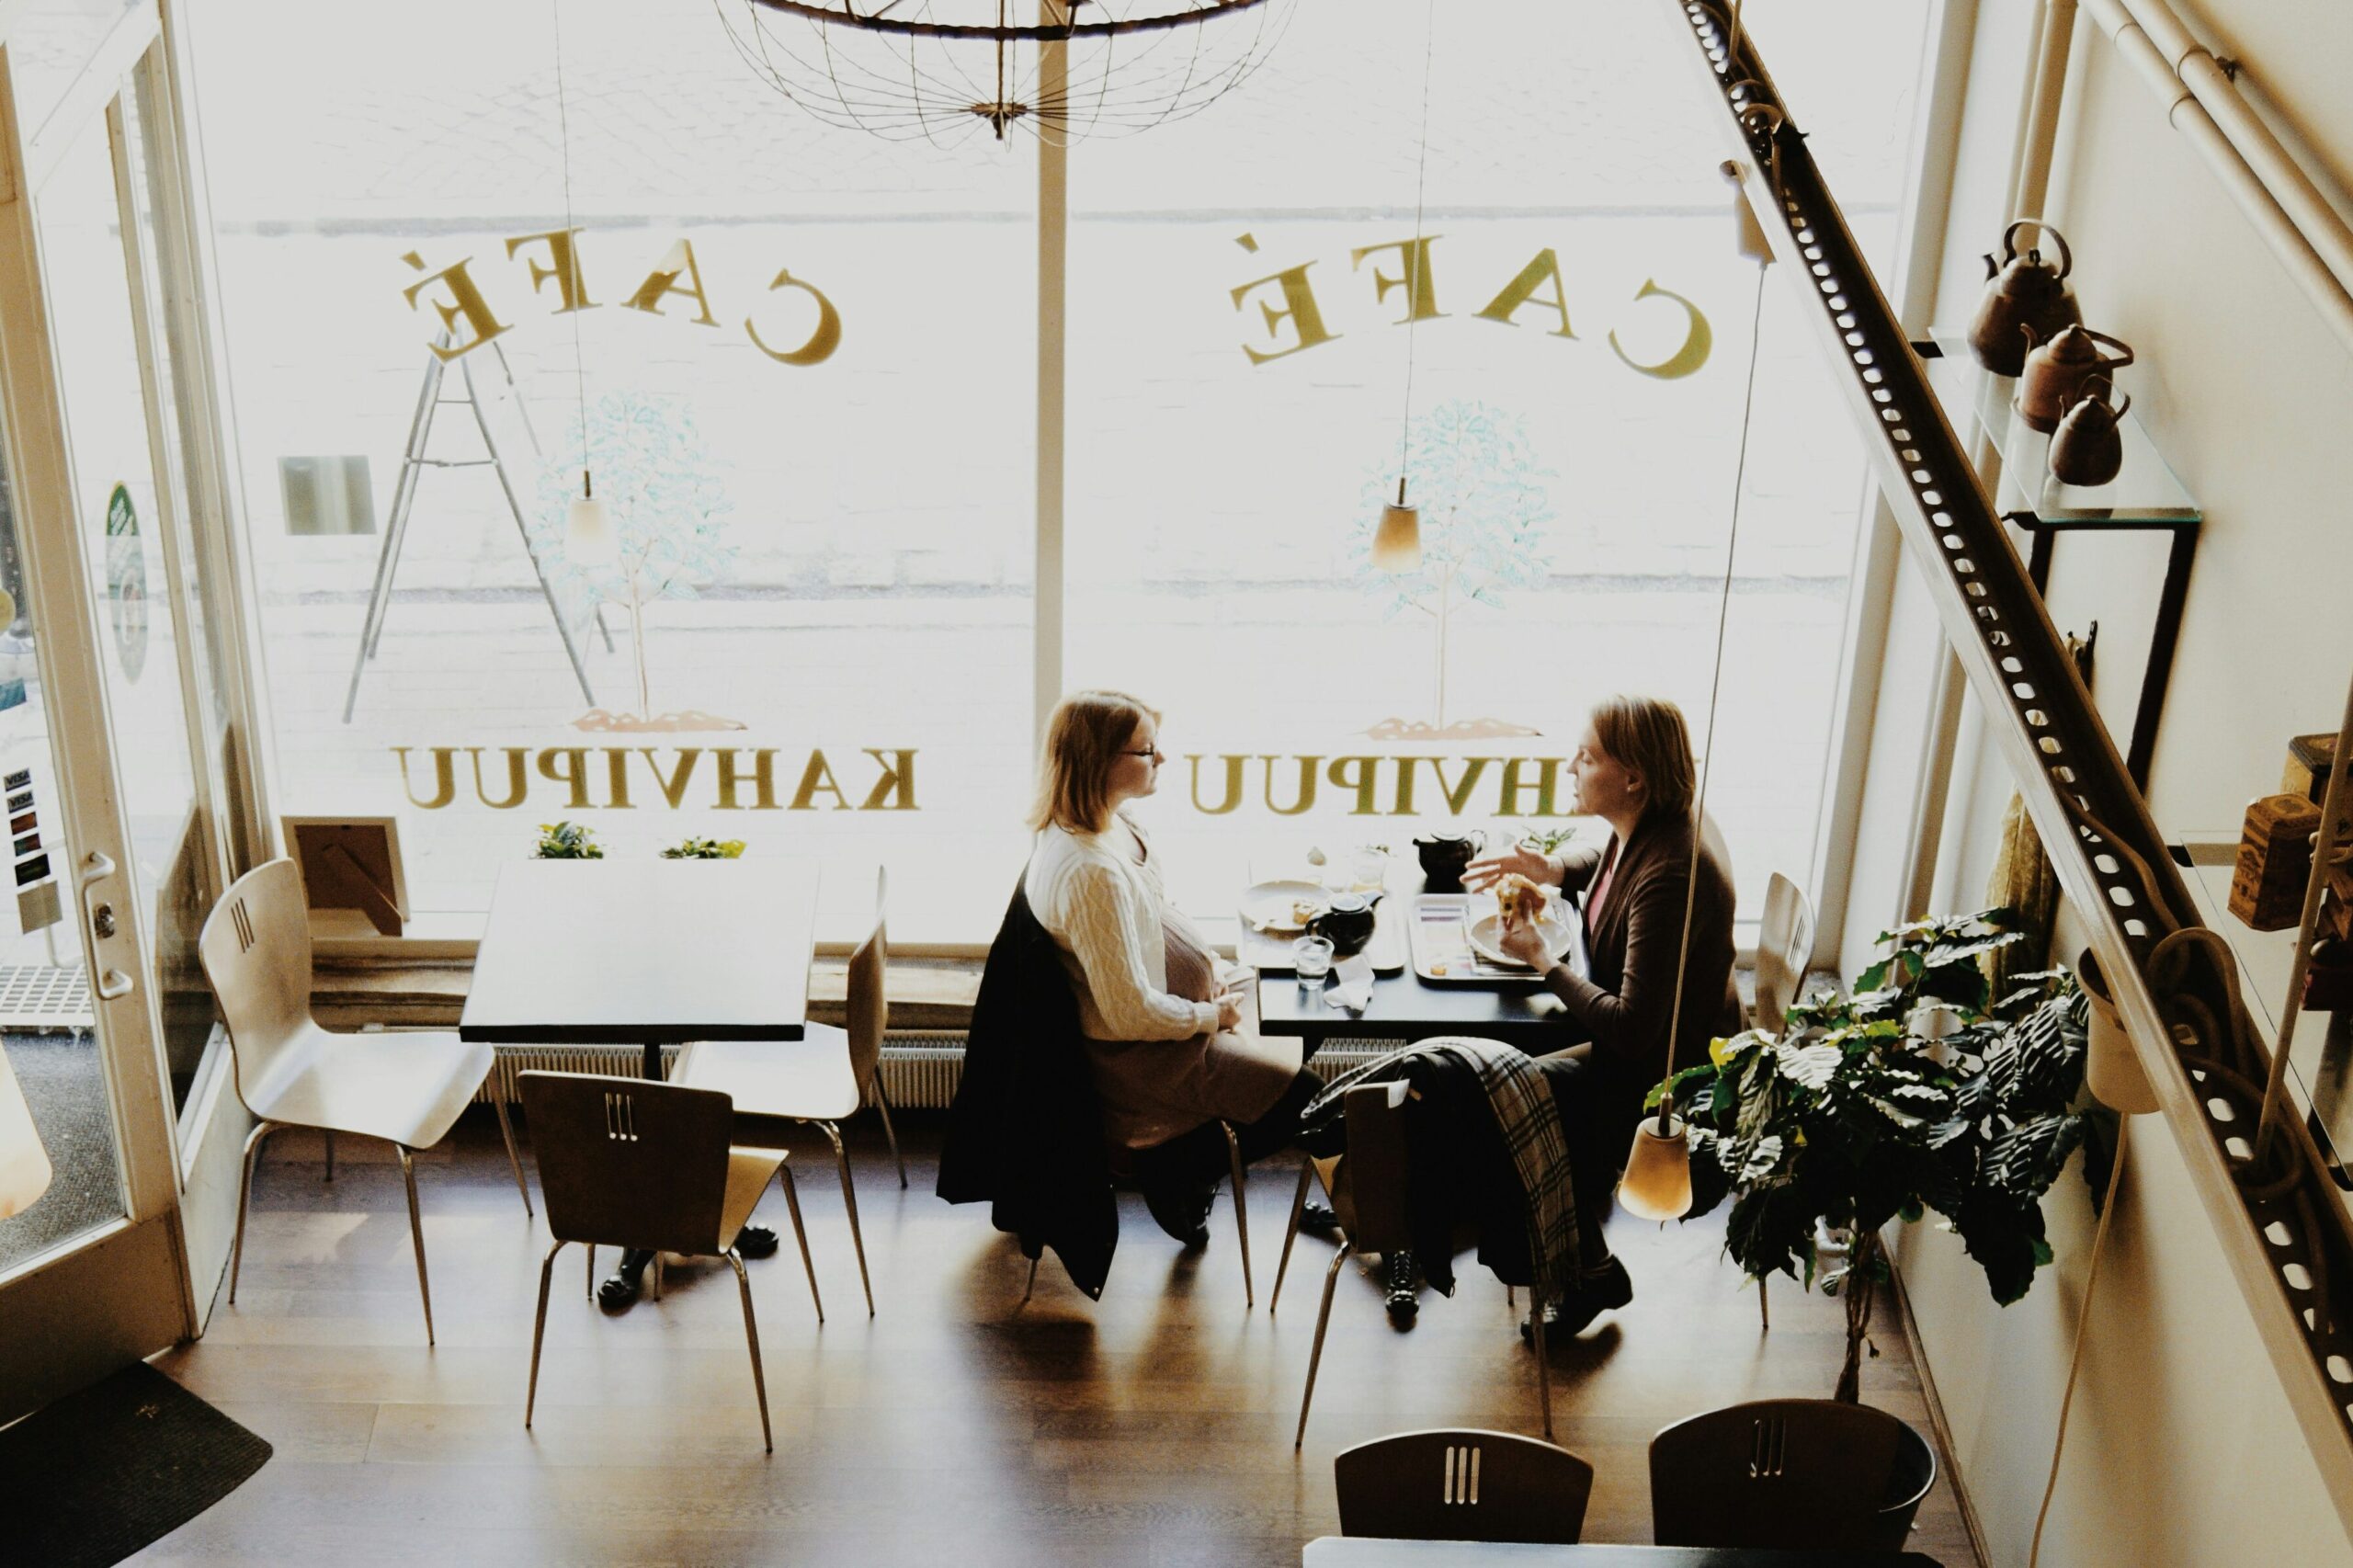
(1441, 941)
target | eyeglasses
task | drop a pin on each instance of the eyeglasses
(1148, 751)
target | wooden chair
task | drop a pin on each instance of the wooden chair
(24, 1170)
(651, 1166)
(823, 1079)
(1784, 949)
(1799, 1474)
(405, 1086)
(1462, 1485)
(1367, 1187)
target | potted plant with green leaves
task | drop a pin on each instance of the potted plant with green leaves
(568, 841)
(705, 849)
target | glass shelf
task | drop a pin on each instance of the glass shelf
(2320, 1044)
(2146, 493)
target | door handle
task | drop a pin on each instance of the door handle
(97, 866)
(113, 985)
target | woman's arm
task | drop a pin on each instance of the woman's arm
(1578, 862)
(1630, 1025)
(1105, 932)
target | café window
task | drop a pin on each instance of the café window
(807, 362)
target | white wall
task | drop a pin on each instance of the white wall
(2183, 1449)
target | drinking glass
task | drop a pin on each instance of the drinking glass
(1312, 956)
(1370, 867)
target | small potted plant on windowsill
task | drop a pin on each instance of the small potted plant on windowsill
(1919, 1092)
(705, 849)
(568, 841)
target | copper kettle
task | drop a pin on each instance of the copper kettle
(2022, 293)
(2089, 447)
(2057, 371)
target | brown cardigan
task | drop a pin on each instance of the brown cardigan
(1624, 1006)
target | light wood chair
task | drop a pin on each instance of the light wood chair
(1367, 1189)
(24, 1161)
(646, 1164)
(1462, 1485)
(406, 1087)
(1797, 1475)
(823, 1079)
(1784, 951)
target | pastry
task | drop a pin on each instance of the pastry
(1521, 901)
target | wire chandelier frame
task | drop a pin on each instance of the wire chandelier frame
(940, 70)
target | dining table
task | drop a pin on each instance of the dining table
(648, 953)
(1366, 1552)
(1405, 1005)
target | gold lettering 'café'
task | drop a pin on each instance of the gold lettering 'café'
(882, 778)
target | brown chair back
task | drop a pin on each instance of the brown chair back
(1797, 1475)
(1462, 1485)
(256, 947)
(1369, 1193)
(870, 1007)
(1784, 948)
(627, 1163)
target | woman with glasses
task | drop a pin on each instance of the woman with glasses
(1172, 1044)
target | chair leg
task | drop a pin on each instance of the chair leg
(540, 1329)
(1031, 1288)
(1764, 1308)
(1241, 1214)
(849, 1202)
(330, 1135)
(1511, 1297)
(417, 1235)
(752, 1337)
(592, 1271)
(792, 1202)
(507, 1131)
(244, 1196)
(883, 1106)
(1544, 1361)
(1298, 1205)
(1316, 1353)
(657, 1276)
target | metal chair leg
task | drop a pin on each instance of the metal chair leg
(330, 1136)
(657, 1276)
(1511, 1297)
(507, 1131)
(849, 1202)
(1764, 1308)
(592, 1271)
(1241, 1214)
(1315, 1354)
(883, 1106)
(244, 1196)
(752, 1337)
(1298, 1206)
(1544, 1361)
(540, 1329)
(1031, 1288)
(792, 1202)
(417, 1235)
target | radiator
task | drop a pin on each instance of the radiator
(920, 1069)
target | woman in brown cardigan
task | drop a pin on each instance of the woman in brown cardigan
(1634, 769)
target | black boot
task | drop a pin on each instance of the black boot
(1181, 1208)
(1404, 1296)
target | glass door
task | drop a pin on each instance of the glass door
(107, 718)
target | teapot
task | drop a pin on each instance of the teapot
(2021, 292)
(1444, 856)
(1348, 922)
(2089, 447)
(2056, 371)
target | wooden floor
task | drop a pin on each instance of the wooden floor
(955, 1426)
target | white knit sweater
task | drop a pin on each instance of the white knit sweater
(1103, 911)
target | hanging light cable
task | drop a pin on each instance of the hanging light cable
(1657, 1183)
(1397, 542)
(588, 536)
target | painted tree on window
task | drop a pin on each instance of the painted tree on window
(668, 502)
(1472, 472)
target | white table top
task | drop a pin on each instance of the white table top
(609, 952)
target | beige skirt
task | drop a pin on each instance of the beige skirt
(1153, 1090)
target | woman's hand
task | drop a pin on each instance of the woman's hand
(1525, 942)
(1488, 869)
(1230, 1009)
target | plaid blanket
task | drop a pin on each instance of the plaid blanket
(1530, 1124)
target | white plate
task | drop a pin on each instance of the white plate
(1266, 906)
(1483, 932)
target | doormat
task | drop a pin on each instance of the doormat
(89, 1480)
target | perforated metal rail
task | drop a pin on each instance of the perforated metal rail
(2274, 1208)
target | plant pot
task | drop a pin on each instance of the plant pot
(1909, 1480)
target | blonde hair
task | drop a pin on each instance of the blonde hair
(1084, 740)
(1646, 735)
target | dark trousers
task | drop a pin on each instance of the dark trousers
(1598, 1111)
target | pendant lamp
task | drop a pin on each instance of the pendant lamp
(1657, 1183)
(1398, 540)
(588, 535)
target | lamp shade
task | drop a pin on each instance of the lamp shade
(1397, 542)
(2111, 1069)
(1657, 1183)
(24, 1164)
(588, 535)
